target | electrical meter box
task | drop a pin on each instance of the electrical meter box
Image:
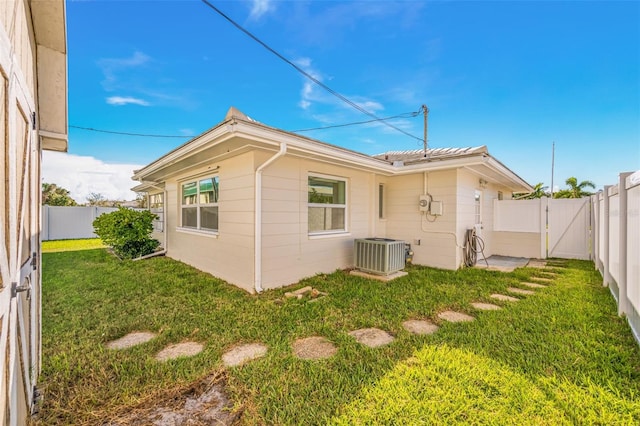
(435, 208)
(424, 203)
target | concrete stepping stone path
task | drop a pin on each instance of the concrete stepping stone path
(520, 291)
(130, 340)
(420, 327)
(485, 306)
(313, 348)
(533, 285)
(184, 349)
(452, 316)
(504, 298)
(372, 337)
(542, 279)
(535, 263)
(243, 353)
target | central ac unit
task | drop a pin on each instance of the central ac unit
(380, 256)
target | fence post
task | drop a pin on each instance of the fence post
(595, 232)
(606, 277)
(544, 223)
(623, 303)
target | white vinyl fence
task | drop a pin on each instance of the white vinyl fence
(63, 223)
(616, 224)
(542, 228)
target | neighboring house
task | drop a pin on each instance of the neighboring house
(262, 208)
(33, 117)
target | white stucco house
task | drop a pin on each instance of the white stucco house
(262, 208)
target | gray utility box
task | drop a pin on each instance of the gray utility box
(380, 256)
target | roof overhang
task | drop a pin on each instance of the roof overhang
(235, 136)
(49, 26)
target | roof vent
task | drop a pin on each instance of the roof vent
(398, 163)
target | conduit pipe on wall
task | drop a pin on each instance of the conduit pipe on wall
(257, 238)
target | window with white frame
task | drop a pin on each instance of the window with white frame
(200, 204)
(327, 204)
(156, 206)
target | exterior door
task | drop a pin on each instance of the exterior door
(19, 246)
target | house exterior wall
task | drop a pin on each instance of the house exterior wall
(404, 221)
(229, 254)
(289, 253)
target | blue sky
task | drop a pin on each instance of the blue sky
(512, 75)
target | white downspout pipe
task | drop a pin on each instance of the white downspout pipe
(257, 238)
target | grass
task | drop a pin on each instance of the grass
(561, 356)
(71, 245)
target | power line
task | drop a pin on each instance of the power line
(306, 74)
(129, 133)
(404, 115)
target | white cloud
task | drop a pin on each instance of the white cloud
(82, 175)
(111, 67)
(259, 8)
(124, 100)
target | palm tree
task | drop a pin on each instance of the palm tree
(539, 191)
(575, 190)
(55, 195)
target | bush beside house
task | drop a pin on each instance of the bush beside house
(127, 231)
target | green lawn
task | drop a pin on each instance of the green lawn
(71, 245)
(561, 356)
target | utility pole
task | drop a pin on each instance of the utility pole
(553, 158)
(425, 111)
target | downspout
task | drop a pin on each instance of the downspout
(257, 238)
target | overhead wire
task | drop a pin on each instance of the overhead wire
(306, 74)
(149, 135)
(404, 115)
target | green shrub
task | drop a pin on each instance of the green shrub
(127, 231)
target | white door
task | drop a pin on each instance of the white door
(19, 246)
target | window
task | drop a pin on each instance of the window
(200, 204)
(381, 201)
(156, 206)
(327, 205)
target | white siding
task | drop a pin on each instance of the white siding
(288, 252)
(229, 255)
(437, 246)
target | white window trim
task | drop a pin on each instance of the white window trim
(197, 230)
(201, 232)
(160, 219)
(345, 206)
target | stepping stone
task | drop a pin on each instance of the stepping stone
(505, 298)
(452, 316)
(542, 279)
(241, 354)
(315, 347)
(520, 291)
(372, 337)
(420, 327)
(130, 340)
(534, 285)
(179, 350)
(537, 264)
(485, 306)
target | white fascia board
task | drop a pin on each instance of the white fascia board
(507, 173)
(190, 147)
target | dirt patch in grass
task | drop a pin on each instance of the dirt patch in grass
(202, 403)
(315, 347)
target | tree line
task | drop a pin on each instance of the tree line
(54, 195)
